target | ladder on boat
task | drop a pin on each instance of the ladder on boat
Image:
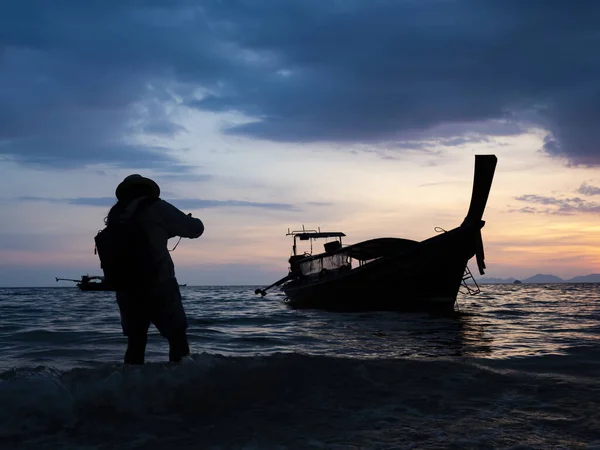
(465, 287)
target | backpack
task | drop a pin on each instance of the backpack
(126, 254)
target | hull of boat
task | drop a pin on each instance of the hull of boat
(94, 287)
(426, 277)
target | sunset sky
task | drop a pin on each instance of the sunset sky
(259, 116)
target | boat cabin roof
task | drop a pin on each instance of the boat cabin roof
(317, 235)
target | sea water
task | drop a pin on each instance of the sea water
(518, 366)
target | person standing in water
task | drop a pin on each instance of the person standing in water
(134, 256)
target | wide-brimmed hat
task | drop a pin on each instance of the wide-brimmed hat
(137, 180)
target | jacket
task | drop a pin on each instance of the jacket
(163, 221)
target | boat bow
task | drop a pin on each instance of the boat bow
(485, 167)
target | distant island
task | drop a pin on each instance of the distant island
(541, 278)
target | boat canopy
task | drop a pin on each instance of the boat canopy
(377, 248)
(363, 251)
(317, 235)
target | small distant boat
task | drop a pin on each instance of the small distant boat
(391, 273)
(89, 283)
(93, 283)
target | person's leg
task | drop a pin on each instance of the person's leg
(136, 346)
(178, 345)
(170, 319)
(135, 323)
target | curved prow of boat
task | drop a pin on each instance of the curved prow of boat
(485, 166)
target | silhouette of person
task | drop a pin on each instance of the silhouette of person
(160, 302)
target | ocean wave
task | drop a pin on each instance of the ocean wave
(455, 398)
(240, 321)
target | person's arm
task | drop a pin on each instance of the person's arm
(178, 223)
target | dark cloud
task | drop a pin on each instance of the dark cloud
(586, 189)
(182, 203)
(557, 205)
(80, 79)
(56, 112)
(364, 71)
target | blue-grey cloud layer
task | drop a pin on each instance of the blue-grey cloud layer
(563, 206)
(587, 189)
(78, 78)
(183, 203)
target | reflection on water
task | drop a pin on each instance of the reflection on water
(65, 327)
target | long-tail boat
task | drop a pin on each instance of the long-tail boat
(391, 273)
